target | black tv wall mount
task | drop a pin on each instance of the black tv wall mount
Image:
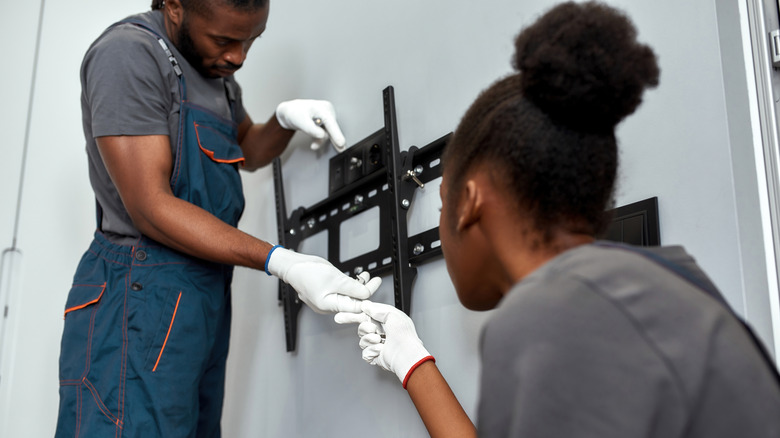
(372, 173)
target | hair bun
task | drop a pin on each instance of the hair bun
(581, 64)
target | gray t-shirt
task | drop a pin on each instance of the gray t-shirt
(601, 342)
(129, 88)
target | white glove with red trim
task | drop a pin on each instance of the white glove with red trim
(316, 118)
(319, 284)
(388, 339)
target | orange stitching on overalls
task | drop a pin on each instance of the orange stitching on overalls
(106, 260)
(175, 309)
(79, 407)
(110, 250)
(100, 404)
(211, 153)
(123, 361)
(70, 382)
(179, 135)
(79, 307)
(89, 338)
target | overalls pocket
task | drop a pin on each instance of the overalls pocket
(80, 310)
(166, 305)
(212, 181)
(216, 145)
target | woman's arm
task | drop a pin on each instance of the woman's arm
(396, 347)
(439, 409)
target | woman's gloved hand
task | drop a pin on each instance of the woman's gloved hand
(388, 338)
(316, 118)
(319, 284)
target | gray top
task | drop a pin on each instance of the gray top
(600, 342)
(130, 88)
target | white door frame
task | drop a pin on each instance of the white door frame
(766, 145)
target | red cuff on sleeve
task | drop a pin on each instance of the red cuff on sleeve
(414, 367)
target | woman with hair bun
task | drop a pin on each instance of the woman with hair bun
(589, 338)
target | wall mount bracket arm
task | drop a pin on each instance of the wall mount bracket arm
(372, 173)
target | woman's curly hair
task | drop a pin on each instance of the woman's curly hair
(547, 132)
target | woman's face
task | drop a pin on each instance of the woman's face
(467, 254)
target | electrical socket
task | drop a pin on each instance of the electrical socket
(357, 162)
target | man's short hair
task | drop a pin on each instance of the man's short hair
(204, 6)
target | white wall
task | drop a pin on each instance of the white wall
(57, 213)
(438, 55)
(20, 26)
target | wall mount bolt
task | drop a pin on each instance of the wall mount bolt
(412, 175)
(358, 199)
(418, 249)
(311, 222)
(405, 203)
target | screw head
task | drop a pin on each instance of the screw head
(405, 203)
(358, 270)
(311, 222)
(418, 249)
(418, 170)
(292, 231)
(358, 199)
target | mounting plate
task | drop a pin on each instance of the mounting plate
(372, 173)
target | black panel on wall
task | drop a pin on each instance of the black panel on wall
(636, 224)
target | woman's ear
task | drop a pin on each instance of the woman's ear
(470, 211)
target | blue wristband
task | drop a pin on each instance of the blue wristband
(268, 257)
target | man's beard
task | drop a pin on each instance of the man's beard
(187, 48)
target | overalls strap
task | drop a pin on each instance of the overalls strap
(160, 40)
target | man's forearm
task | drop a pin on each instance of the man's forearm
(140, 167)
(261, 143)
(201, 235)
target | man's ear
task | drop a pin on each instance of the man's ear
(174, 12)
(470, 211)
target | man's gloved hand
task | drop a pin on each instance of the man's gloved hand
(316, 118)
(319, 284)
(388, 339)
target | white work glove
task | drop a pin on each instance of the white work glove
(388, 339)
(319, 284)
(316, 118)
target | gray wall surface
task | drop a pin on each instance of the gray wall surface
(681, 146)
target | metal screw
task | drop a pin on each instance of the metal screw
(410, 174)
(405, 203)
(292, 231)
(358, 199)
(311, 222)
(418, 249)
(358, 270)
(418, 170)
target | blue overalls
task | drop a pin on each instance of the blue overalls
(146, 327)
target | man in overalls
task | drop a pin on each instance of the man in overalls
(148, 317)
